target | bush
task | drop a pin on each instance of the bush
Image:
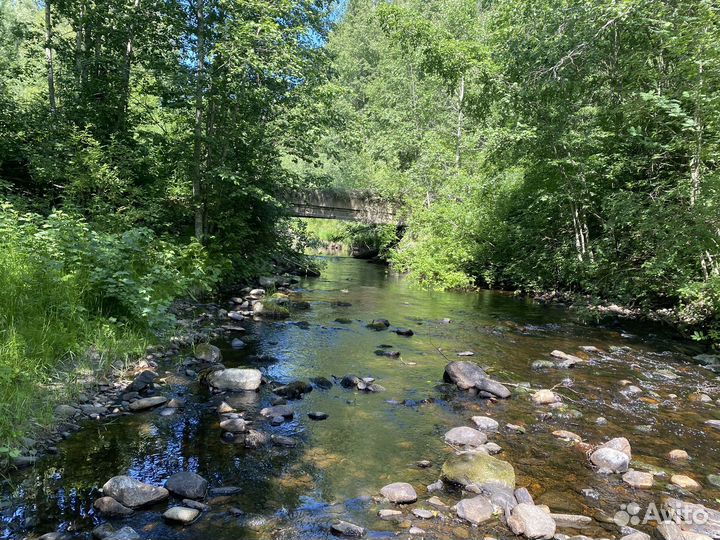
(73, 297)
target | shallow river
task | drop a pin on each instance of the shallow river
(372, 439)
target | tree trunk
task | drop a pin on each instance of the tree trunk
(128, 64)
(461, 99)
(197, 187)
(49, 55)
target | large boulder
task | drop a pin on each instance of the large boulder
(464, 374)
(465, 436)
(235, 379)
(478, 469)
(187, 484)
(532, 522)
(133, 493)
(399, 492)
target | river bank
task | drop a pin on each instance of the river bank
(347, 406)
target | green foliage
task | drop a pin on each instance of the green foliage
(540, 145)
(73, 296)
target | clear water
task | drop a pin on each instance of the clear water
(371, 440)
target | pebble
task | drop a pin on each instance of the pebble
(317, 415)
(423, 513)
(416, 530)
(387, 513)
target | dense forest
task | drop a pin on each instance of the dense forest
(141, 160)
(146, 149)
(539, 145)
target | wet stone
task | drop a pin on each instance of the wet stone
(485, 423)
(107, 506)
(187, 484)
(465, 437)
(475, 510)
(181, 514)
(531, 522)
(399, 492)
(345, 528)
(147, 403)
(317, 415)
(423, 513)
(133, 493)
(637, 479)
(389, 514)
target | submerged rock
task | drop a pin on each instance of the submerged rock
(234, 425)
(638, 479)
(133, 493)
(293, 390)
(478, 469)
(322, 382)
(545, 397)
(345, 528)
(235, 379)
(685, 482)
(317, 415)
(378, 324)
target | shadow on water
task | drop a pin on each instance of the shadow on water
(371, 439)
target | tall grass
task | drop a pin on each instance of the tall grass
(72, 300)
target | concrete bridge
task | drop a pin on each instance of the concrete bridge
(344, 205)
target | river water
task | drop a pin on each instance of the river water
(372, 439)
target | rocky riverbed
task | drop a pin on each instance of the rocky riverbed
(350, 405)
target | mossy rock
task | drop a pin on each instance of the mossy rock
(478, 469)
(270, 310)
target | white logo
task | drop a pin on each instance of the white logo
(631, 514)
